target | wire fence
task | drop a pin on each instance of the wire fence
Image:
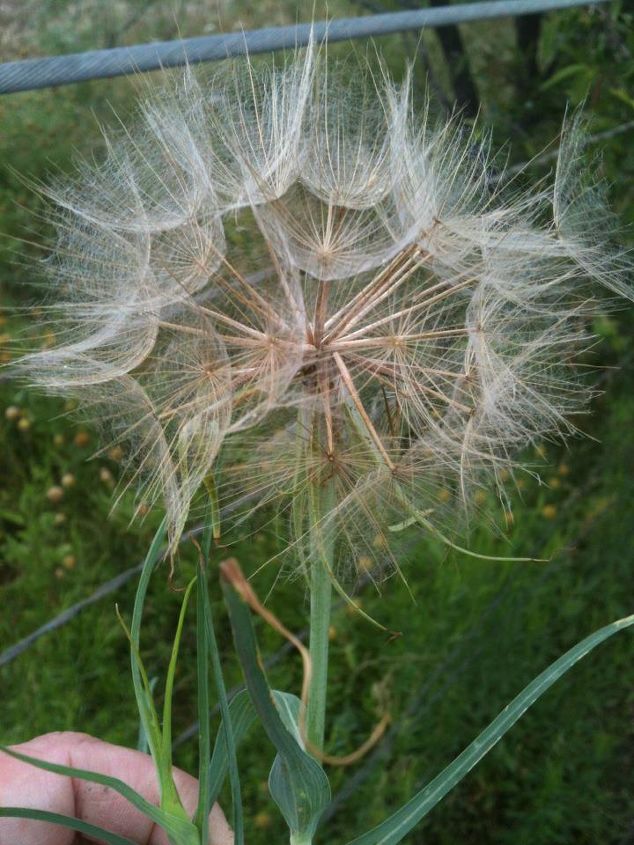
(31, 74)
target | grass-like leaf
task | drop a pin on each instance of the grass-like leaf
(138, 801)
(298, 784)
(207, 638)
(172, 816)
(205, 799)
(91, 830)
(171, 673)
(393, 829)
(243, 716)
(289, 708)
(142, 691)
(142, 740)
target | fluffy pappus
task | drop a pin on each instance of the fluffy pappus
(294, 281)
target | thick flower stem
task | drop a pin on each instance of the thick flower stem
(322, 546)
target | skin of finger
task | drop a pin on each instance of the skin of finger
(27, 786)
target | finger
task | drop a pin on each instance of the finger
(22, 785)
(27, 786)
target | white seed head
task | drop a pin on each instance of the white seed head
(290, 279)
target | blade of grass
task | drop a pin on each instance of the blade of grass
(243, 716)
(96, 833)
(205, 800)
(173, 819)
(119, 786)
(297, 782)
(171, 673)
(147, 712)
(394, 828)
(211, 649)
(142, 740)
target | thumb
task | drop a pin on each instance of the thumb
(25, 785)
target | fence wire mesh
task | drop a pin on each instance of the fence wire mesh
(31, 74)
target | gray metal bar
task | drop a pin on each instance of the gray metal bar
(30, 74)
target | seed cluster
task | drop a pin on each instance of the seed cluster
(295, 281)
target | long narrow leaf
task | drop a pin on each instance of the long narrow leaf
(297, 783)
(204, 735)
(144, 695)
(171, 674)
(223, 701)
(142, 740)
(170, 800)
(147, 713)
(138, 801)
(393, 829)
(289, 707)
(243, 716)
(65, 821)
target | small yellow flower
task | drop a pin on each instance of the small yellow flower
(105, 476)
(68, 480)
(24, 424)
(12, 413)
(55, 494)
(69, 561)
(549, 511)
(82, 438)
(116, 453)
(262, 820)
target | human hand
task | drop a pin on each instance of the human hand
(24, 785)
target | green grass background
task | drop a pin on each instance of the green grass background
(476, 632)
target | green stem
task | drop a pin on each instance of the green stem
(321, 565)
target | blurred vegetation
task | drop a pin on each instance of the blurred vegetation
(477, 632)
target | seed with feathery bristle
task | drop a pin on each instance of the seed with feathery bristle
(296, 274)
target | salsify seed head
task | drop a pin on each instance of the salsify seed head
(291, 280)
